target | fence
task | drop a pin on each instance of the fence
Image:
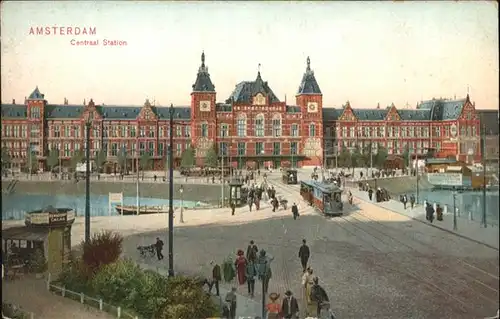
(84, 299)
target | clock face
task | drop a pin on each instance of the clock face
(312, 107)
(205, 106)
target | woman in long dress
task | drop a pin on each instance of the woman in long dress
(241, 264)
(309, 282)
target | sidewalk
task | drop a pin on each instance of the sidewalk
(469, 229)
(246, 307)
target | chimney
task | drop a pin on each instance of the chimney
(13, 101)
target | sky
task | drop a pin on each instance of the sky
(365, 53)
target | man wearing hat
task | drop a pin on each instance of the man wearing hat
(231, 300)
(216, 277)
(290, 306)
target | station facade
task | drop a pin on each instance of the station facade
(251, 128)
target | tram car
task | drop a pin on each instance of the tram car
(289, 176)
(325, 198)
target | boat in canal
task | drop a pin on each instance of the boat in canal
(132, 209)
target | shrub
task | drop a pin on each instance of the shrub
(124, 283)
(75, 276)
(187, 299)
(103, 248)
(38, 263)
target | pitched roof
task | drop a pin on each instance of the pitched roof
(308, 85)
(331, 114)
(203, 82)
(292, 109)
(443, 109)
(370, 114)
(54, 111)
(36, 95)
(244, 91)
(14, 111)
(414, 115)
(489, 118)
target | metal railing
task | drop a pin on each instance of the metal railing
(88, 300)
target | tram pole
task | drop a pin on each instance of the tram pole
(483, 155)
(87, 182)
(454, 209)
(171, 196)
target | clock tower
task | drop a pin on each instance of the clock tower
(203, 112)
(310, 101)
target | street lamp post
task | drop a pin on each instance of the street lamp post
(171, 196)
(87, 180)
(181, 190)
(483, 155)
(454, 209)
(222, 173)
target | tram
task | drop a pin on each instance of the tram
(289, 176)
(326, 198)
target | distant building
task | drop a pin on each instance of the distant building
(251, 128)
(489, 121)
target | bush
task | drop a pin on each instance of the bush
(12, 311)
(103, 248)
(38, 263)
(75, 276)
(124, 283)
(186, 299)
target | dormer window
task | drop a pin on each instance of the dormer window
(259, 99)
(35, 112)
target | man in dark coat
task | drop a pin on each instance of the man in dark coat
(412, 201)
(370, 194)
(295, 211)
(159, 248)
(216, 277)
(304, 254)
(252, 251)
(290, 306)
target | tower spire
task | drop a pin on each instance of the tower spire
(258, 69)
(308, 64)
(202, 59)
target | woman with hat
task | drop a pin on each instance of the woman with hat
(273, 307)
(241, 266)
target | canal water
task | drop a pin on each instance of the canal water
(16, 205)
(466, 202)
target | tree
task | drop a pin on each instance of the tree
(5, 158)
(145, 161)
(188, 158)
(100, 159)
(381, 156)
(344, 158)
(357, 158)
(211, 157)
(31, 160)
(406, 155)
(122, 159)
(77, 158)
(53, 158)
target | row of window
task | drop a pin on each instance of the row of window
(260, 130)
(397, 131)
(242, 148)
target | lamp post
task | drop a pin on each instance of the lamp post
(88, 123)
(223, 148)
(483, 155)
(171, 196)
(454, 209)
(263, 276)
(181, 190)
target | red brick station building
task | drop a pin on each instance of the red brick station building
(251, 128)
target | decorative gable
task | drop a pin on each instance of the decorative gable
(91, 112)
(147, 113)
(393, 114)
(259, 99)
(468, 111)
(348, 114)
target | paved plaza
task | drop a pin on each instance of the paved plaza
(372, 262)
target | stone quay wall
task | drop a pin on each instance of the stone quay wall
(207, 193)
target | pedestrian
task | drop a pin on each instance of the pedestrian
(295, 211)
(241, 265)
(264, 264)
(429, 212)
(412, 201)
(370, 194)
(216, 277)
(154, 177)
(404, 200)
(252, 251)
(233, 207)
(304, 254)
(319, 297)
(273, 307)
(290, 306)
(231, 301)
(159, 248)
(251, 273)
(250, 203)
(275, 204)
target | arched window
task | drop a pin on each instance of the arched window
(204, 129)
(277, 125)
(259, 125)
(312, 130)
(241, 125)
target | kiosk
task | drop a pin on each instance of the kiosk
(235, 193)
